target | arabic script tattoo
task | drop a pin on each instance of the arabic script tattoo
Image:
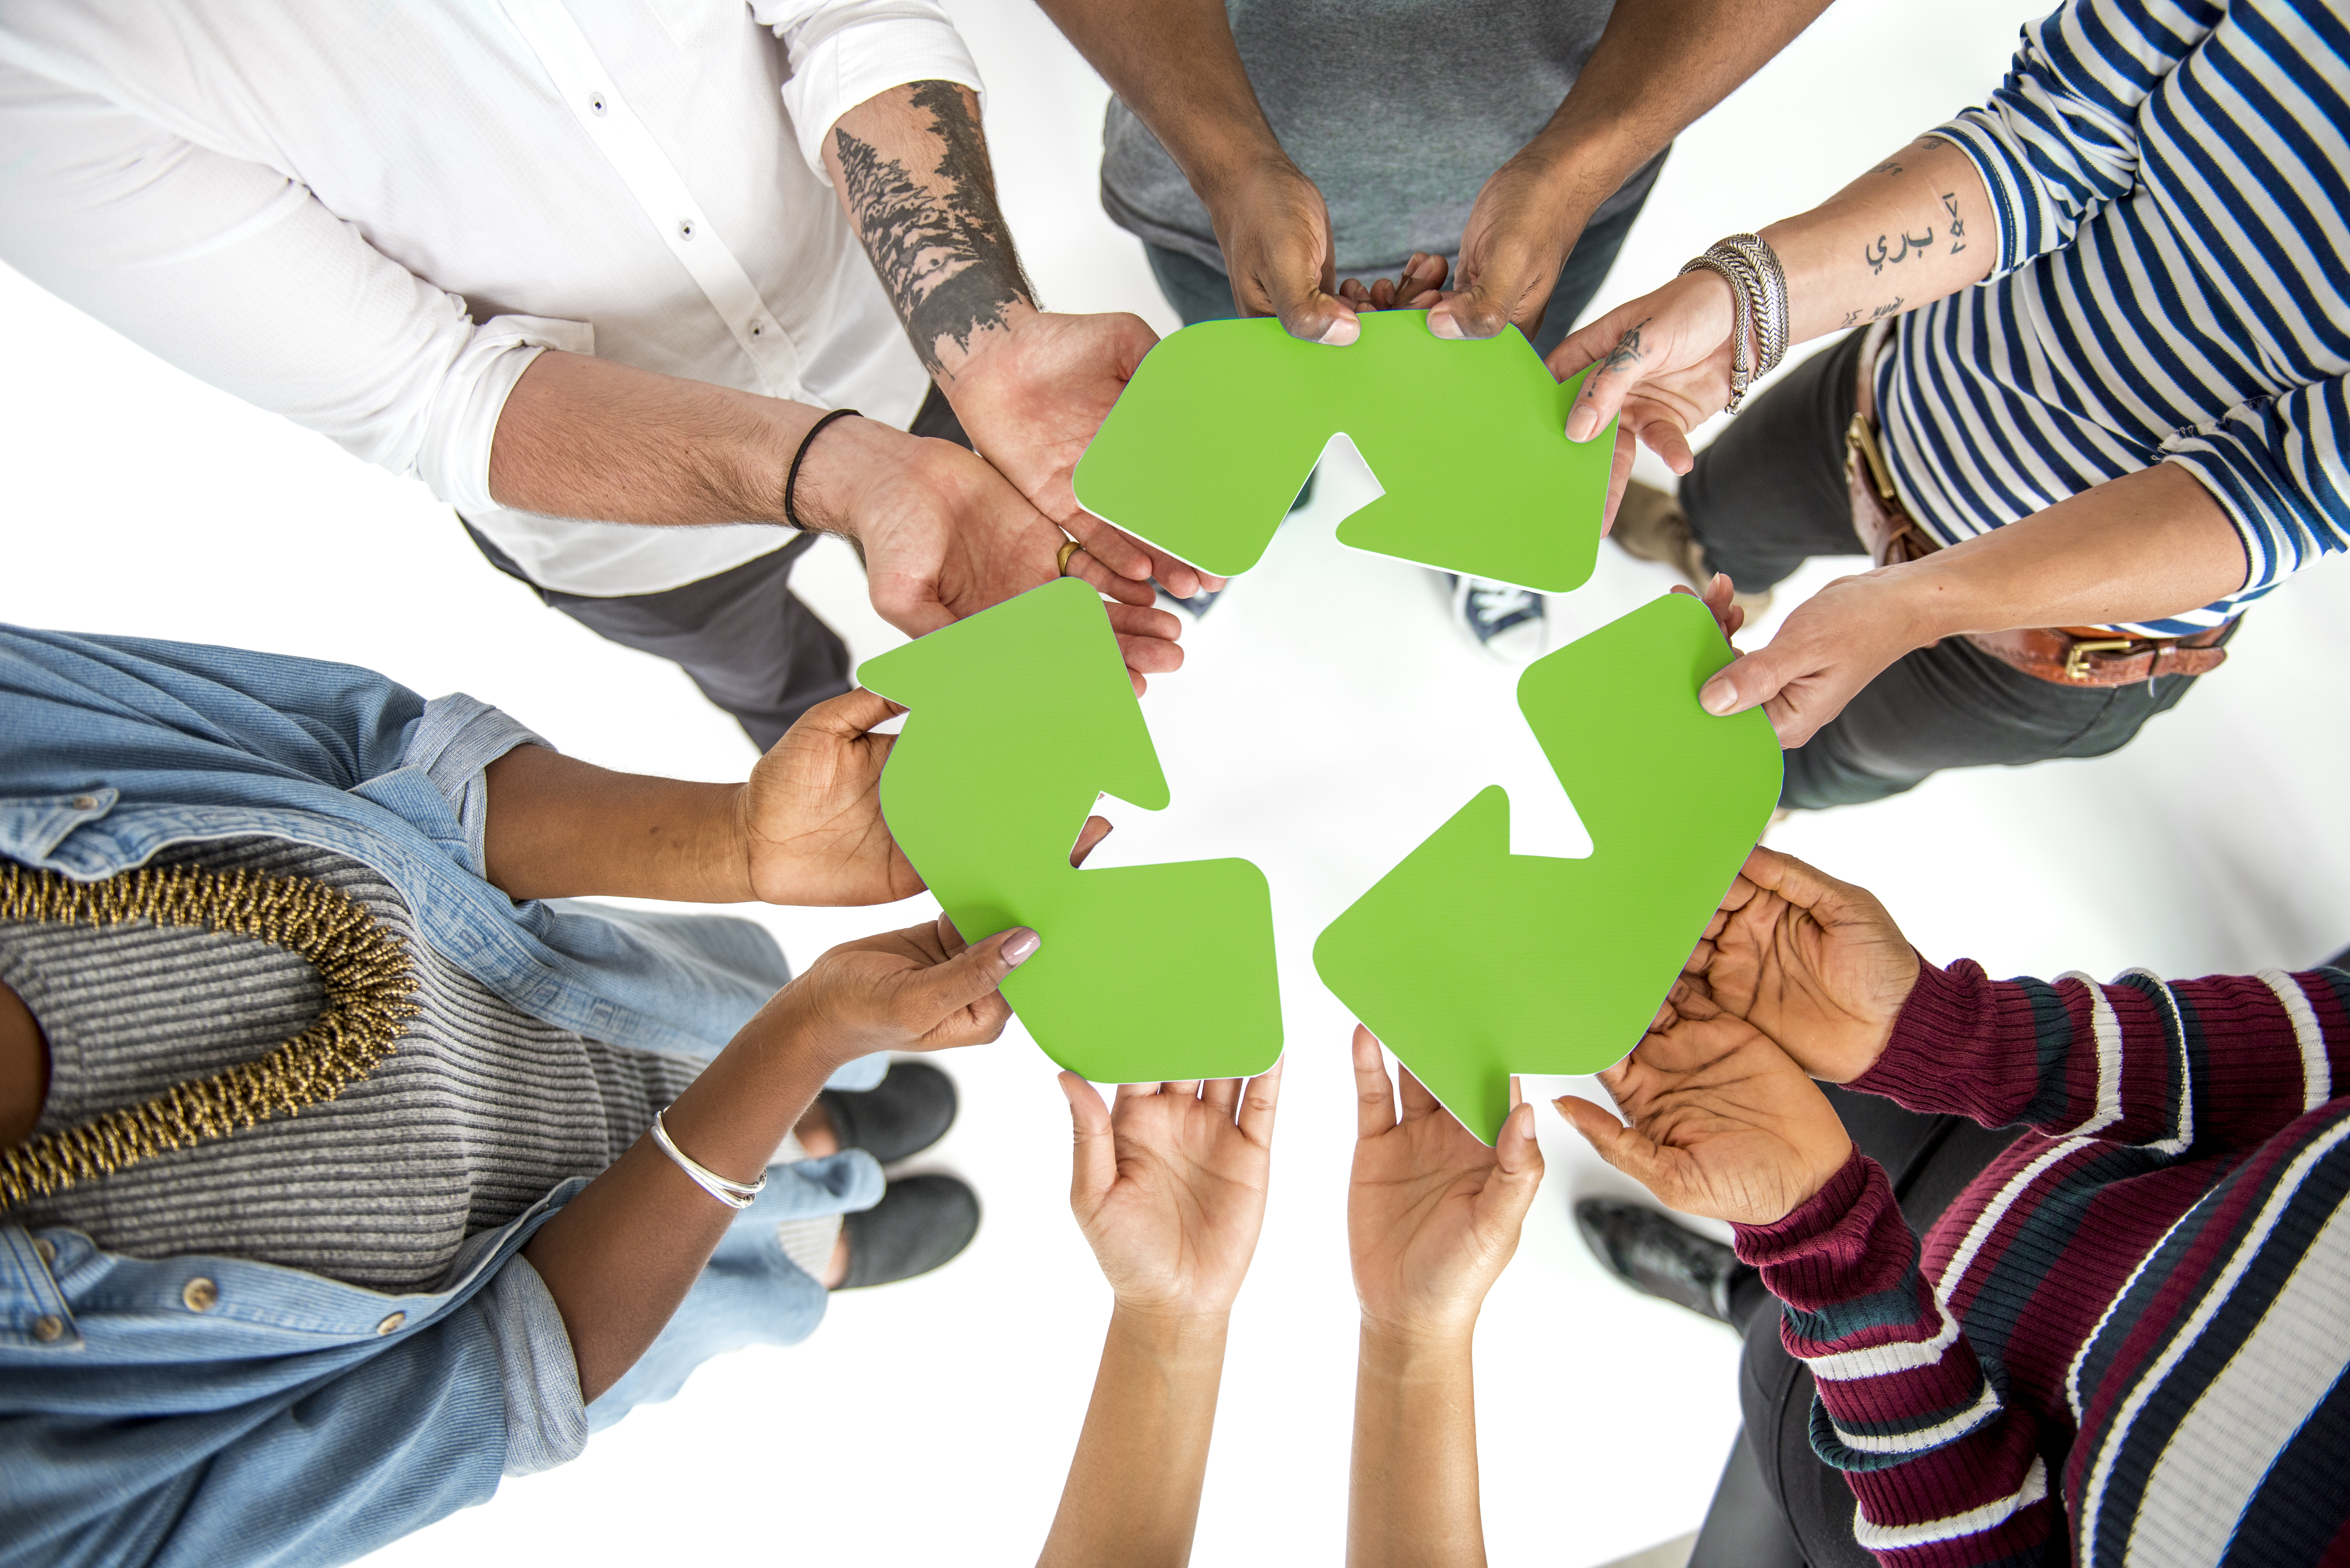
(1882, 254)
(1882, 311)
(946, 257)
(1958, 224)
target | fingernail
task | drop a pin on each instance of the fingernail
(1341, 332)
(1581, 424)
(1441, 322)
(1717, 698)
(1017, 947)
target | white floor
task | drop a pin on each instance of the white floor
(1327, 719)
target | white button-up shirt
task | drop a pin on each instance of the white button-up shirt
(372, 218)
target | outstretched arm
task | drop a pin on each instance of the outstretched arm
(1432, 1218)
(912, 168)
(1168, 1188)
(1658, 65)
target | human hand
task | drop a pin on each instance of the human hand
(1432, 1215)
(1717, 598)
(921, 989)
(1032, 397)
(1829, 646)
(1724, 1123)
(1517, 237)
(1169, 1185)
(1817, 964)
(944, 535)
(1274, 231)
(1420, 285)
(1659, 365)
(809, 820)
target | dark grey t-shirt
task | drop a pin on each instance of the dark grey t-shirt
(1398, 110)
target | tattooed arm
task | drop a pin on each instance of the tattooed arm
(1914, 228)
(912, 172)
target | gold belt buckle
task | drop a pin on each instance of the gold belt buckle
(1860, 439)
(2076, 658)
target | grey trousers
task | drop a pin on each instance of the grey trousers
(750, 643)
(1769, 494)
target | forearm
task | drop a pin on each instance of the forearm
(621, 1257)
(1657, 67)
(1914, 228)
(561, 828)
(1133, 1491)
(911, 170)
(1175, 65)
(2142, 548)
(1412, 1499)
(582, 437)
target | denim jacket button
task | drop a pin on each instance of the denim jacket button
(391, 1323)
(200, 1294)
(48, 1329)
(48, 1251)
(85, 803)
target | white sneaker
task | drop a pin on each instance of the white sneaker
(1508, 623)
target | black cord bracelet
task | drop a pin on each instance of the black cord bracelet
(792, 479)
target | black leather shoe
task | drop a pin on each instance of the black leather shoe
(920, 1223)
(1646, 1250)
(904, 1114)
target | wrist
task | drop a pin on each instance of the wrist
(1173, 1331)
(1405, 1350)
(957, 360)
(836, 469)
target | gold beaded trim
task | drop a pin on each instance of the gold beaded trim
(368, 983)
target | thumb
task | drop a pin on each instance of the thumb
(971, 976)
(1518, 1154)
(1093, 1163)
(1480, 310)
(1748, 681)
(1618, 1145)
(1314, 317)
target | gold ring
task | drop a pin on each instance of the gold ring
(1061, 564)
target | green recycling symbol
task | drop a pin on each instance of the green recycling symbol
(1470, 962)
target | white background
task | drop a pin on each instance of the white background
(1328, 718)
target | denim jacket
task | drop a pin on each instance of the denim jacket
(290, 1419)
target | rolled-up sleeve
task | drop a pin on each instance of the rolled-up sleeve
(843, 52)
(2275, 466)
(2059, 139)
(240, 276)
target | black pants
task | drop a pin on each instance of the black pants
(747, 641)
(1779, 1505)
(1769, 494)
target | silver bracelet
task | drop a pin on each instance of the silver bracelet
(733, 1194)
(1758, 292)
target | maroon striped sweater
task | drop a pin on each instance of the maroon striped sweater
(2126, 1341)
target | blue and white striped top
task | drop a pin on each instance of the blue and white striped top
(2170, 186)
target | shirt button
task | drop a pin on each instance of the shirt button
(47, 1249)
(85, 803)
(391, 1323)
(596, 103)
(685, 228)
(48, 1329)
(200, 1294)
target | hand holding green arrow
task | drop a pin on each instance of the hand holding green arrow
(1472, 963)
(1021, 717)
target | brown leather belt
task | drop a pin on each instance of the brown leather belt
(2067, 655)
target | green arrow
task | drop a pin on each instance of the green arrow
(1472, 963)
(1223, 421)
(1021, 717)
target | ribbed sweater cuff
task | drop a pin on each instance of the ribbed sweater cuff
(1965, 1044)
(1823, 1251)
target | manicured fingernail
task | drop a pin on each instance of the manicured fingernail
(1582, 423)
(1017, 947)
(1441, 322)
(1342, 331)
(1717, 698)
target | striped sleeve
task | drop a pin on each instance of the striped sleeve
(1944, 1472)
(2059, 139)
(2275, 466)
(2212, 1064)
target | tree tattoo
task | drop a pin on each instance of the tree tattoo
(946, 258)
